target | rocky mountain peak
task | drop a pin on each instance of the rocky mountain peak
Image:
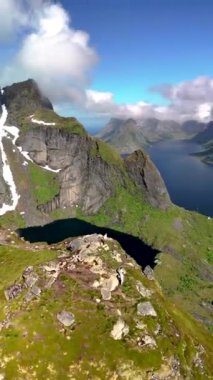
(24, 97)
(144, 173)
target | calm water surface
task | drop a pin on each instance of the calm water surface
(188, 180)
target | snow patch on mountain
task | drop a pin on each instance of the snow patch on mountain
(14, 131)
(7, 173)
(41, 122)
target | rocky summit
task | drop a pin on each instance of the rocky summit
(101, 275)
(57, 323)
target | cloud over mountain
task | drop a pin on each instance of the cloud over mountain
(56, 55)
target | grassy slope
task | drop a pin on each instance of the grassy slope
(33, 347)
(183, 272)
(71, 124)
(44, 184)
(186, 272)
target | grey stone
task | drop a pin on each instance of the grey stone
(66, 319)
(13, 291)
(36, 290)
(148, 271)
(144, 292)
(106, 294)
(31, 280)
(146, 308)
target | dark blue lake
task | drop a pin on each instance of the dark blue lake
(188, 180)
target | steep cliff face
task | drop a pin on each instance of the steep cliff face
(88, 171)
(3, 186)
(144, 173)
(86, 179)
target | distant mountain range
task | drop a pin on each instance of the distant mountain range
(128, 135)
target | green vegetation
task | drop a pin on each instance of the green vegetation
(13, 260)
(69, 124)
(44, 184)
(46, 350)
(12, 220)
(107, 153)
(186, 248)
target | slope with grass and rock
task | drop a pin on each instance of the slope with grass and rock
(60, 172)
(83, 309)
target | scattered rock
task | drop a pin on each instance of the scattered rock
(106, 294)
(96, 264)
(149, 273)
(146, 340)
(140, 325)
(146, 308)
(111, 283)
(96, 284)
(52, 267)
(65, 318)
(198, 361)
(144, 292)
(13, 291)
(36, 290)
(157, 329)
(120, 275)
(106, 247)
(31, 279)
(52, 270)
(120, 330)
(117, 256)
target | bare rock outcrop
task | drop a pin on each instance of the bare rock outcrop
(145, 174)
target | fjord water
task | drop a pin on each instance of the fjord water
(188, 180)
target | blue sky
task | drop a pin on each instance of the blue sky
(104, 57)
(142, 43)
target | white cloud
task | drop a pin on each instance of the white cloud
(188, 100)
(16, 15)
(11, 19)
(57, 56)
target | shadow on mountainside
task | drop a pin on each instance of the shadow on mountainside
(67, 228)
